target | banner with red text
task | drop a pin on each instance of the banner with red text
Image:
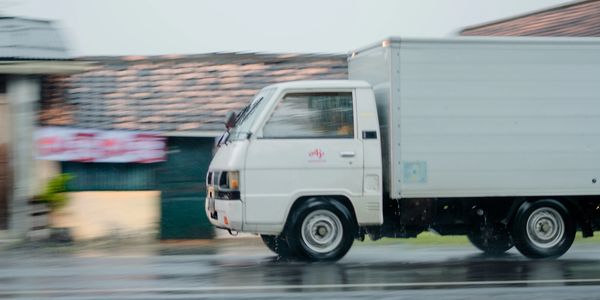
(89, 145)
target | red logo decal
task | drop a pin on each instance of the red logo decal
(316, 153)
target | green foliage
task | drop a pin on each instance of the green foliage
(54, 192)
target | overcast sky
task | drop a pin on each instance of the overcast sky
(127, 27)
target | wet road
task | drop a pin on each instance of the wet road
(246, 270)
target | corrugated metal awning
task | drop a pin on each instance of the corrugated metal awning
(44, 67)
(22, 38)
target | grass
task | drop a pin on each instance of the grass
(429, 238)
(425, 238)
(594, 239)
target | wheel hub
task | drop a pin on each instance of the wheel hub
(545, 227)
(322, 231)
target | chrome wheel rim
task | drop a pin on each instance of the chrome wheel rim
(322, 231)
(545, 227)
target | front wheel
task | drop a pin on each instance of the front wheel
(543, 229)
(277, 244)
(321, 230)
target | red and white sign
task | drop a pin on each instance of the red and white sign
(89, 145)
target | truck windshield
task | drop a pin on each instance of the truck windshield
(247, 116)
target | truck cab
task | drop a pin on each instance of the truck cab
(303, 156)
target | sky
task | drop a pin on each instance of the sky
(156, 27)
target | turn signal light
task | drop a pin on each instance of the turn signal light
(233, 180)
(234, 184)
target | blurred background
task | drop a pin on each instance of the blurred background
(109, 109)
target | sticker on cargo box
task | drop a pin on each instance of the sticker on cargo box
(415, 172)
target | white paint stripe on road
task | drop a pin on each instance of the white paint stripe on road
(297, 287)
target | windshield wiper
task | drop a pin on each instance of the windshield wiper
(225, 136)
(237, 118)
(248, 111)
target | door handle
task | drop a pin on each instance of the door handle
(347, 154)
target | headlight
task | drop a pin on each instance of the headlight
(229, 180)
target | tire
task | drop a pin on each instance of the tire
(543, 229)
(278, 244)
(492, 241)
(321, 229)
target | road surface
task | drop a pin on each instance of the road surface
(244, 269)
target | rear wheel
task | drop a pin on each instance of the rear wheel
(492, 241)
(321, 230)
(277, 244)
(543, 229)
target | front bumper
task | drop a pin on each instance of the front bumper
(226, 214)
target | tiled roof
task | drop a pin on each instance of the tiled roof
(24, 39)
(581, 18)
(173, 93)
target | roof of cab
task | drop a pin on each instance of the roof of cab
(322, 84)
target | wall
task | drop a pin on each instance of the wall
(93, 215)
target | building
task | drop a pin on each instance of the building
(29, 50)
(182, 98)
(579, 18)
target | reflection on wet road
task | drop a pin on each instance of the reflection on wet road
(247, 270)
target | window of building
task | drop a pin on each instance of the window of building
(312, 115)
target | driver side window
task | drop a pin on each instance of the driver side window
(312, 115)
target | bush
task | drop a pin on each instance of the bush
(54, 192)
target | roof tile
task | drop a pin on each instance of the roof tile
(580, 18)
(173, 92)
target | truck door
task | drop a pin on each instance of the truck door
(309, 145)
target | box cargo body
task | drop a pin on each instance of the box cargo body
(477, 117)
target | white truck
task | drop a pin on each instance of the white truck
(494, 138)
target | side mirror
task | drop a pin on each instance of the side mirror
(230, 120)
